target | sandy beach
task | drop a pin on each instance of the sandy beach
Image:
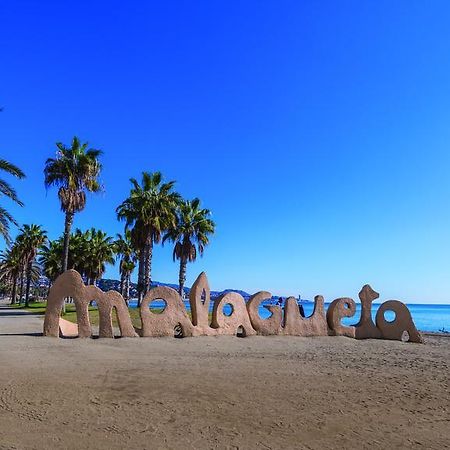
(225, 392)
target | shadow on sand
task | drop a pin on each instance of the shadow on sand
(21, 334)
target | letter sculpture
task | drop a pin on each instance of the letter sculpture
(244, 319)
(292, 324)
(70, 284)
(340, 308)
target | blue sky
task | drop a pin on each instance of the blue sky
(317, 132)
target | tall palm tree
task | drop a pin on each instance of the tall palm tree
(29, 240)
(148, 212)
(75, 171)
(190, 235)
(6, 190)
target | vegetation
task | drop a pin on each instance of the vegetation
(6, 190)
(11, 270)
(148, 212)
(89, 252)
(18, 263)
(190, 234)
(75, 170)
(127, 256)
(30, 239)
(152, 213)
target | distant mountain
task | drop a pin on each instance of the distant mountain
(108, 284)
(114, 285)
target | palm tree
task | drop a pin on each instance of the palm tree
(29, 240)
(148, 212)
(190, 235)
(89, 252)
(101, 251)
(79, 248)
(127, 255)
(11, 268)
(50, 259)
(74, 171)
(6, 219)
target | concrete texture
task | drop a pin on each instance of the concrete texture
(67, 329)
(238, 320)
(174, 314)
(269, 326)
(402, 323)
(340, 308)
(199, 301)
(365, 328)
(296, 325)
(70, 284)
(244, 319)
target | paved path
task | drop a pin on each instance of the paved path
(18, 322)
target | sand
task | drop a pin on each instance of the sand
(220, 392)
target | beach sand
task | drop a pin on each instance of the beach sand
(221, 392)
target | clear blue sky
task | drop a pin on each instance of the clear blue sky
(317, 132)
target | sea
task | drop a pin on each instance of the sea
(427, 317)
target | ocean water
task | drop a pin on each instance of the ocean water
(426, 317)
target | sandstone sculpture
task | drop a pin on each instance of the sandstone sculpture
(199, 301)
(296, 325)
(244, 319)
(365, 328)
(70, 284)
(266, 327)
(340, 308)
(292, 324)
(174, 314)
(67, 329)
(236, 321)
(402, 323)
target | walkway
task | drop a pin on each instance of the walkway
(18, 322)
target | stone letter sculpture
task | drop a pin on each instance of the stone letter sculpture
(293, 323)
(237, 319)
(365, 328)
(163, 324)
(244, 319)
(296, 325)
(70, 284)
(402, 323)
(269, 326)
(199, 306)
(340, 308)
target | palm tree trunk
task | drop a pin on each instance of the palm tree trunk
(22, 281)
(127, 288)
(14, 291)
(27, 291)
(67, 229)
(182, 275)
(122, 284)
(141, 270)
(148, 266)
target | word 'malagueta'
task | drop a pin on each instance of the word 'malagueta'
(243, 320)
